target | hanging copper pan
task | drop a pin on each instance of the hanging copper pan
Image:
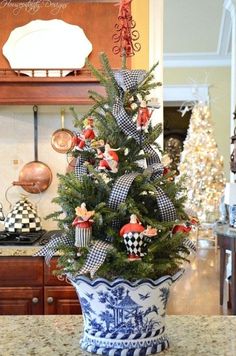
(35, 172)
(62, 139)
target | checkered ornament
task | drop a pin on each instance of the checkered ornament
(134, 241)
(22, 218)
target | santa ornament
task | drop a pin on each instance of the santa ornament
(144, 116)
(132, 234)
(86, 136)
(83, 226)
(109, 158)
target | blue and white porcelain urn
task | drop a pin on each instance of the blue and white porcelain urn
(124, 318)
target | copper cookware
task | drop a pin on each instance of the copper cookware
(62, 139)
(35, 172)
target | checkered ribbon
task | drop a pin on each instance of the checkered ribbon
(129, 79)
(119, 193)
(52, 246)
(96, 257)
(127, 125)
(155, 170)
(80, 168)
(120, 189)
(165, 205)
(190, 245)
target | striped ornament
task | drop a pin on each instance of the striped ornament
(83, 236)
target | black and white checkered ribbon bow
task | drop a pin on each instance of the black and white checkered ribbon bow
(95, 258)
(52, 246)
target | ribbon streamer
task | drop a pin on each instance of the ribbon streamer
(52, 246)
(80, 168)
(95, 258)
(120, 189)
(190, 245)
(166, 207)
(128, 80)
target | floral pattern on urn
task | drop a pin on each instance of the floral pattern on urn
(124, 318)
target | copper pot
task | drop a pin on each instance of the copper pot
(35, 172)
(62, 140)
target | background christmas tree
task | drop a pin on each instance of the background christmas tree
(202, 166)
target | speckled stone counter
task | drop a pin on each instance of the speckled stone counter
(19, 250)
(59, 335)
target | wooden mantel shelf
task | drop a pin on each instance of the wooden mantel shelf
(20, 89)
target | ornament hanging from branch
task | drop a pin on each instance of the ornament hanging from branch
(126, 36)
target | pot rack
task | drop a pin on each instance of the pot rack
(19, 89)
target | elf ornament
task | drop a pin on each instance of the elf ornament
(86, 136)
(184, 228)
(83, 226)
(109, 158)
(149, 233)
(166, 161)
(132, 234)
(144, 116)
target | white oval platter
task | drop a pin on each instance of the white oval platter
(47, 44)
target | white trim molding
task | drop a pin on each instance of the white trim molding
(230, 6)
(224, 41)
(177, 95)
(208, 59)
(156, 54)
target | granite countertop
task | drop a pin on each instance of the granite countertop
(59, 335)
(19, 250)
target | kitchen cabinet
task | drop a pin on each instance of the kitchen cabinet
(59, 296)
(21, 300)
(28, 287)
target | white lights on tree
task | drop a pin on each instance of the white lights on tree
(202, 166)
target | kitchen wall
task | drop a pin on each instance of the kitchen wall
(17, 149)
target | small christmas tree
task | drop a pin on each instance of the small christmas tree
(121, 211)
(202, 166)
(110, 188)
